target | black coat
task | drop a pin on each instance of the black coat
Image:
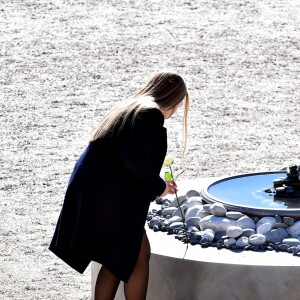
(108, 197)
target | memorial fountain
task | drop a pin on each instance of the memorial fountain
(258, 211)
(214, 222)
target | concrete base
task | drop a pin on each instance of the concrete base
(177, 274)
(184, 279)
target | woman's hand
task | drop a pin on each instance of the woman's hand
(171, 188)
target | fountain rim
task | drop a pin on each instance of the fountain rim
(254, 211)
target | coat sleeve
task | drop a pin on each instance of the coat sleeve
(137, 149)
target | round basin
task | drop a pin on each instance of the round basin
(246, 193)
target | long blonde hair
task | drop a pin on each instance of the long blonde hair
(164, 91)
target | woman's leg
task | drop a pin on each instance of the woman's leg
(136, 288)
(106, 285)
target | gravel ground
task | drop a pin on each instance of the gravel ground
(65, 63)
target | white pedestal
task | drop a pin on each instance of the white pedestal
(213, 274)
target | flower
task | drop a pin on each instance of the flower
(168, 177)
(169, 160)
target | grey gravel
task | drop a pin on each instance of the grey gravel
(65, 63)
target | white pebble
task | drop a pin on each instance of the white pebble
(218, 209)
(229, 242)
(243, 241)
(257, 239)
(264, 228)
(234, 231)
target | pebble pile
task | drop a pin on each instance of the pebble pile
(211, 225)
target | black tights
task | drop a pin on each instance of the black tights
(136, 288)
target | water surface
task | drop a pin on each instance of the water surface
(249, 191)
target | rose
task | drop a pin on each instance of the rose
(169, 160)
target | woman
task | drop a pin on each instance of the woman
(112, 184)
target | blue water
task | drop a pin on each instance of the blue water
(249, 191)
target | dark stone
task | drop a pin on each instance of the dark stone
(262, 247)
(156, 228)
(236, 247)
(192, 238)
(247, 248)
(160, 201)
(203, 240)
(155, 221)
(170, 231)
(149, 217)
(295, 249)
(288, 221)
(181, 237)
(278, 219)
(194, 242)
(283, 247)
(270, 248)
(220, 242)
(198, 236)
(280, 225)
(219, 245)
(164, 228)
(191, 234)
(204, 245)
(255, 219)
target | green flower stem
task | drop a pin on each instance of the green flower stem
(175, 191)
(184, 224)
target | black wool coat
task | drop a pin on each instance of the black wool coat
(108, 197)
